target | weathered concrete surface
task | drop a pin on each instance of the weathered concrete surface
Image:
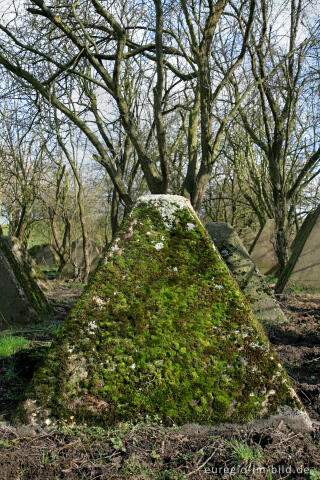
(161, 329)
(29, 266)
(264, 305)
(306, 272)
(44, 255)
(247, 236)
(21, 299)
(263, 253)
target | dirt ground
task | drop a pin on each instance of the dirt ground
(152, 451)
(298, 346)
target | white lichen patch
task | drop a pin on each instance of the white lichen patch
(92, 327)
(99, 301)
(167, 206)
(191, 226)
(115, 249)
(257, 345)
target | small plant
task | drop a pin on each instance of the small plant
(47, 458)
(53, 330)
(118, 444)
(269, 474)
(271, 279)
(155, 455)
(94, 432)
(10, 344)
(244, 454)
(133, 466)
(314, 474)
(294, 289)
(4, 444)
(10, 373)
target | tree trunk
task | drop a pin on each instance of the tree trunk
(114, 212)
(84, 233)
(23, 222)
(189, 184)
(60, 247)
(281, 232)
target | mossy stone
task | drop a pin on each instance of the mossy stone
(21, 299)
(246, 274)
(44, 255)
(77, 259)
(161, 329)
(263, 252)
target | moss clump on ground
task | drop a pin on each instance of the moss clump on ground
(26, 277)
(161, 329)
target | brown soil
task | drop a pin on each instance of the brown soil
(298, 345)
(151, 451)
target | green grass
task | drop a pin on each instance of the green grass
(46, 330)
(271, 279)
(79, 286)
(244, 454)
(294, 289)
(10, 345)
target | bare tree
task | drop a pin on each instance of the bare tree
(281, 130)
(99, 43)
(22, 165)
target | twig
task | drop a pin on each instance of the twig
(202, 465)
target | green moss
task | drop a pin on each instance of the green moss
(27, 281)
(161, 329)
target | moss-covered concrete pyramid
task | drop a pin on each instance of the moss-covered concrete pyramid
(162, 329)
